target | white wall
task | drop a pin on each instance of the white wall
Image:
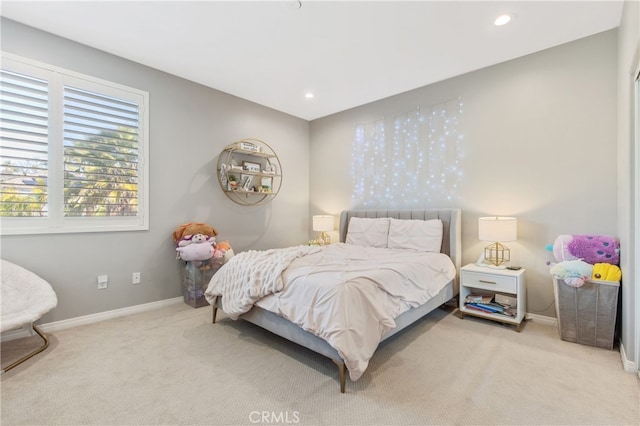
(628, 216)
(190, 125)
(539, 144)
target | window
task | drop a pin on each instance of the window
(73, 152)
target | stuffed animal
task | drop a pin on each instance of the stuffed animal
(606, 272)
(590, 248)
(224, 245)
(224, 250)
(573, 272)
(200, 248)
(184, 233)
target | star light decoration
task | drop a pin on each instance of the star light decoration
(417, 163)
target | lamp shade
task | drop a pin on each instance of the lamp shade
(497, 229)
(323, 223)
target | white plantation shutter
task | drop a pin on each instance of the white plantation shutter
(100, 155)
(24, 132)
(73, 151)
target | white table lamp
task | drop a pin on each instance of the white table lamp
(323, 223)
(497, 230)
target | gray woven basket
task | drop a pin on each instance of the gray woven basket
(587, 314)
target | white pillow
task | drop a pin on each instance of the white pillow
(368, 232)
(416, 235)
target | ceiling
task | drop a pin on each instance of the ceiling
(348, 53)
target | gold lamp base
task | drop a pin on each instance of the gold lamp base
(324, 239)
(497, 254)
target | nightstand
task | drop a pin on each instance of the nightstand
(487, 281)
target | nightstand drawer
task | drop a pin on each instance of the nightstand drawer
(489, 282)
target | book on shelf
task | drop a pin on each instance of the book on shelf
(477, 308)
(492, 309)
(489, 307)
(478, 298)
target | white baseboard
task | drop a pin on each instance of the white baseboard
(542, 319)
(629, 366)
(19, 333)
(89, 319)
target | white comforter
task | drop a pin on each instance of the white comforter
(250, 276)
(346, 294)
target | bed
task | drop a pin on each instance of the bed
(343, 299)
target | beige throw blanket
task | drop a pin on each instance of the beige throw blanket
(250, 276)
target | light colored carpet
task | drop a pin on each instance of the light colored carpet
(172, 366)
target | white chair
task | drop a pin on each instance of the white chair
(25, 298)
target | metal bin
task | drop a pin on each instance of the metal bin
(195, 279)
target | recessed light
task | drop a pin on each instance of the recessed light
(309, 95)
(502, 20)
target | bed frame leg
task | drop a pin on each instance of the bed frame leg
(343, 375)
(44, 346)
(214, 306)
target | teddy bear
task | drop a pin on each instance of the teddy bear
(183, 234)
(200, 248)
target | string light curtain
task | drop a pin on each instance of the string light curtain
(416, 162)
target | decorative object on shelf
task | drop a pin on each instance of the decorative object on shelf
(270, 169)
(233, 182)
(266, 184)
(223, 174)
(249, 172)
(322, 224)
(245, 184)
(497, 230)
(248, 146)
(251, 167)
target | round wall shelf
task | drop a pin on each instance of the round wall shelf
(249, 172)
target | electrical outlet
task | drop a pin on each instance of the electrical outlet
(135, 278)
(103, 282)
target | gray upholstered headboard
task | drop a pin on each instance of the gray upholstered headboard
(451, 227)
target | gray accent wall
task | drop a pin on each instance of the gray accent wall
(189, 125)
(539, 144)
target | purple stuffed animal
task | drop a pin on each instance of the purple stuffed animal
(590, 248)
